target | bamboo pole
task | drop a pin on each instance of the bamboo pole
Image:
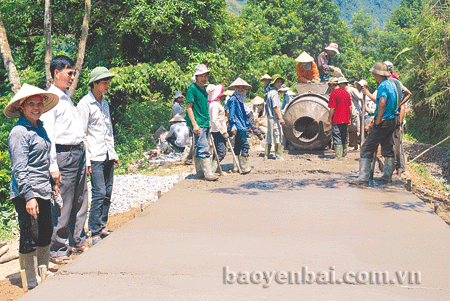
(427, 150)
(215, 153)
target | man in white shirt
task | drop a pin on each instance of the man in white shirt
(67, 164)
(178, 134)
(101, 155)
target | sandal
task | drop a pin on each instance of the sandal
(60, 260)
(78, 250)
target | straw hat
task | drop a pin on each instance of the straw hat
(201, 69)
(332, 80)
(342, 80)
(304, 58)
(333, 47)
(266, 76)
(362, 83)
(214, 92)
(12, 109)
(380, 69)
(177, 118)
(178, 94)
(240, 82)
(99, 73)
(228, 93)
(283, 88)
(275, 77)
(257, 101)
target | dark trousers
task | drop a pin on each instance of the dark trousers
(34, 233)
(68, 221)
(102, 184)
(221, 145)
(340, 133)
(171, 140)
(398, 148)
(241, 146)
(381, 134)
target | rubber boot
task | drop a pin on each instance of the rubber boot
(267, 151)
(198, 169)
(28, 262)
(364, 172)
(243, 162)
(43, 256)
(389, 166)
(214, 166)
(279, 152)
(206, 167)
(338, 150)
(345, 150)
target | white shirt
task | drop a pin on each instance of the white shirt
(217, 118)
(62, 124)
(177, 108)
(356, 97)
(181, 132)
(96, 122)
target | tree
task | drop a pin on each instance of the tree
(10, 67)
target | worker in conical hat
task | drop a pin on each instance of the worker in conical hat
(238, 119)
(306, 68)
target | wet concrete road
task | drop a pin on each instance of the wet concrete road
(269, 224)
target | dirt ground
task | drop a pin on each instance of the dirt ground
(315, 167)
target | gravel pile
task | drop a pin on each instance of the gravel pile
(166, 159)
(132, 190)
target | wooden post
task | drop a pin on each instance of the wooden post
(159, 194)
(43, 272)
(23, 275)
(180, 175)
(409, 185)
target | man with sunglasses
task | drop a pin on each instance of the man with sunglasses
(67, 164)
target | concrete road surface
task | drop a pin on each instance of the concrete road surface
(287, 231)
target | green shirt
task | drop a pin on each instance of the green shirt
(198, 96)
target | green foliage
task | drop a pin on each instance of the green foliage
(8, 224)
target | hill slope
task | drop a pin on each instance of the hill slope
(379, 9)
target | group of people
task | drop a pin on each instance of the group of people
(53, 147)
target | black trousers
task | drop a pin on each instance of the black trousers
(380, 134)
(34, 233)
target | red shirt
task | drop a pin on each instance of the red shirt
(341, 101)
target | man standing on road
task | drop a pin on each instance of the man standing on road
(197, 117)
(67, 164)
(274, 118)
(381, 128)
(101, 156)
(340, 106)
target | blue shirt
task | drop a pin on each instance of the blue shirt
(29, 150)
(387, 89)
(237, 117)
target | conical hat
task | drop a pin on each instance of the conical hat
(240, 82)
(304, 58)
(257, 101)
(177, 118)
(266, 76)
(12, 109)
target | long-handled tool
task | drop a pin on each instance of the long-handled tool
(215, 153)
(234, 156)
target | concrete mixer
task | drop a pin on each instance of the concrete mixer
(306, 116)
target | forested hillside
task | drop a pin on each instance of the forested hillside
(379, 9)
(154, 46)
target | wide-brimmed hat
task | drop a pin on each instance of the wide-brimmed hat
(257, 101)
(177, 118)
(342, 80)
(333, 47)
(390, 66)
(214, 92)
(362, 83)
(99, 73)
(178, 94)
(240, 82)
(304, 58)
(380, 69)
(283, 88)
(332, 80)
(12, 110)
(201, 69)
(266, 76)
(275, 77)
